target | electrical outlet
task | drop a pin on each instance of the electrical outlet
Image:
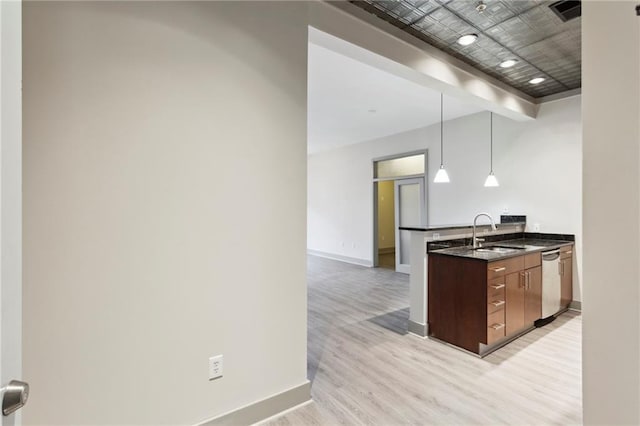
(536, 227)
(505, 210)
(216, 366)
(436, 236)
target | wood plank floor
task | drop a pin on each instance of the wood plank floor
(366, 369)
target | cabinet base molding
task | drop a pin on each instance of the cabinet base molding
(576, 305)
(485, 350)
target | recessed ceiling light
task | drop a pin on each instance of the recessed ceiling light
(536, 80)
(467, 39)
(373, 111)
(508, 63)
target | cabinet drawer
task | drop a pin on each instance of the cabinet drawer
(500, 268)
(566, 252)
(496, 288)
(532, 260)
(495, 303)
(495, 326)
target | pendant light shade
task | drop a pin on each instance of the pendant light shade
(442, 176)
(491, 179)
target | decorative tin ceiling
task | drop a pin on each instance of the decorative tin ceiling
(528, 31)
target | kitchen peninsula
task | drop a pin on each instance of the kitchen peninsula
(440, 254)
(446, 236)
(479, 299)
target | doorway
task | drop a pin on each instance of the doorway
(386, 225)
(399, 200)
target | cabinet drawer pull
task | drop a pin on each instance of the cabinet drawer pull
(499, 269)
(497, 326)
(568, 252)
(498, 302)
(497, 286)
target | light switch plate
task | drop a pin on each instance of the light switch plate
(216, 366)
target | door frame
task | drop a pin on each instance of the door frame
(10, 196)
(374, 254)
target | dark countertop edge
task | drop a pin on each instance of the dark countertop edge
(497, 256)
(444, 227)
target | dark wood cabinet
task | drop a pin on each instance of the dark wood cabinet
(457, 301)
(472, 303)
(566, 275)
(524, 297)
(515, 302)
(532, 295)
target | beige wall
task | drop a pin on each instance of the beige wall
(611, 113)
(386, 215)
(154, 138)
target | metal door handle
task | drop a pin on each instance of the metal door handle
(14, 396)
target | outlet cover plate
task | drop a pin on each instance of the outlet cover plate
(216, 366)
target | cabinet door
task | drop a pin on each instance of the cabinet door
(515, 302)
(533, 295)
(566, 282)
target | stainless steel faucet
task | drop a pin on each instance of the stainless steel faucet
(475, 239)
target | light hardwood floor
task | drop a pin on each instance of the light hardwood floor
(366, 369)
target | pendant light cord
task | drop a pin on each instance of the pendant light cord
(492, 143)
(441, 132)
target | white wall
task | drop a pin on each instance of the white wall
(611, 117)
(538, 164)
(154, 139)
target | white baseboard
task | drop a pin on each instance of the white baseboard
(264, 409)
(576, 305)
(341, 258)
(418, 329)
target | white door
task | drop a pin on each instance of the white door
(10, 205)
(411, 210)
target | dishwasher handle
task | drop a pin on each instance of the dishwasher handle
(550, 255)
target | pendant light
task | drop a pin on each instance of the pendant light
(491, 179)
(441, 176)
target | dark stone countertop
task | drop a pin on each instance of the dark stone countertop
(518, 247)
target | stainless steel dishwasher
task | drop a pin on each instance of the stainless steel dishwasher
(551, 291)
